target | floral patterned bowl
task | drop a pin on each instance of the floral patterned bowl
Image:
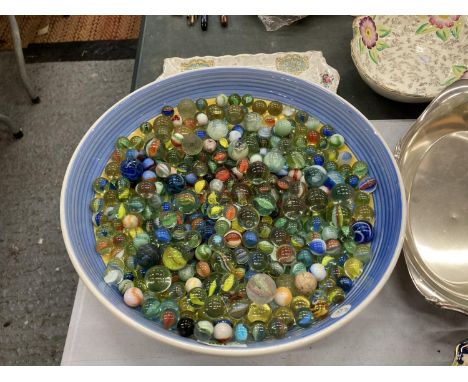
(410, 58)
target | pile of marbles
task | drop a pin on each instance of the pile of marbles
(233, 219)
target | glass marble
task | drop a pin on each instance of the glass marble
(345, 283)
(173, 258)
(192, 144)
(241, 332)
(261, 288)
(258, 261)
(234, 114)
(259, 331)
(158, 279)
(151, 308)
(217, 129)
(187, 108)
(363, 231)
(360, 168)
(315, 175)
(253, 122)
(259, 312)
(275, 108)
(214, 306)
(277, 328)
(238, 150)
(283, 128)
(185, 327)
(363, 252)
(364, 212)
(265, 204)
(203, 330)
(215, 112)
(304, 317)
(305, 283)
(248, 217)
(353, 268)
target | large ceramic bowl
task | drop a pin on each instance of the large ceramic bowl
(92, 153)
(410, 58)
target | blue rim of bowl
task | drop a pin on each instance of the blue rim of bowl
(365, 142)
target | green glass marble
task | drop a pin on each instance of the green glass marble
(359, 168)
(283, 128)
(158, 279)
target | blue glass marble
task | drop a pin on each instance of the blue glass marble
(148, 163)
(317, 224)
(238, 128)
(132, 154)
(318, 247)
(342, 259)
(249, 274)
(327, 131)
(129, 276)
(345, 283)
(304, 317)
(149, 176)
(131, 169)
(191, 178)
(97, 219)
(201, 134)
(319, 159)
(166, 206)
(241, 332)
(352, 180)
(334, 178)
(250, 239)
(162, 235)
(175, 183)
(207, 231)
(363, 231)
(168, 111)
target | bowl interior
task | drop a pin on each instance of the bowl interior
(94, 150)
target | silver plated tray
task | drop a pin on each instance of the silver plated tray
(433, 159)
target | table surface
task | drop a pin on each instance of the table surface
(169, 36)
(398, 328)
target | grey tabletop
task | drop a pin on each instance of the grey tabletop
(398, 328)
(169, 36)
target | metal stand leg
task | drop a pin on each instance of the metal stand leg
(15, 35)
(17, 133)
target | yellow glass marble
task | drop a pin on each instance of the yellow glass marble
(197, 296)
(236, 226)
(259, 312)
(299, 302)
(185, 305)
(173, 259)
(224, 143)
(200, 186)
(336, 295)
(353, 268)
(286, 314)
(364, 212)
